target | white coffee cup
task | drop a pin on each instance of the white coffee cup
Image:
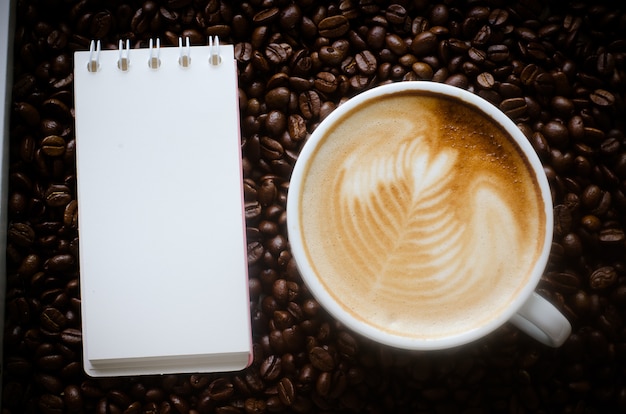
(523, 306)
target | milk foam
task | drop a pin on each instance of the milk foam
(423, 237)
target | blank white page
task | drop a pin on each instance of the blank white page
(163, 267)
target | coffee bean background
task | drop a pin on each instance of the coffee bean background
(557, 68)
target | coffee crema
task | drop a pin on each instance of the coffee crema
(420, 215)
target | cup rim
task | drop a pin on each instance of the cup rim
(310, 278)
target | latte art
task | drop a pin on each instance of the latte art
(423, 210)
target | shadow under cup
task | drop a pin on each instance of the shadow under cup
(419, 216)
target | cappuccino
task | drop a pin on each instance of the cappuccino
(420, 215)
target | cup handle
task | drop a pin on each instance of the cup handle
(541, 320)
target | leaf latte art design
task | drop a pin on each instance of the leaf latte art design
(408, 226)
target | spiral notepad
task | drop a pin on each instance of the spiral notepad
(163, 267)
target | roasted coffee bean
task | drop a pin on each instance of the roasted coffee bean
(458, 79)
(603, 278)
(514, 108)
(422, 70)
(331, 56)
(50, 403)
(326, 82)
(270, 368)
(485, 80)
(286, 391)
(366, 62)
(266, 16)
(396, 14)
(602, 98)
(53, 146)
(277, 53)
(310, 104)
(424, 43)
(321, 359)
(52, 320)
(556, 133)
(71, 337)
(21, 234)
(376, 37)
(612, 236)
(60, 263)
(529, 74)
(255, 252)
(333, 26)
(220, 389)
(58, 195)
(591, 196)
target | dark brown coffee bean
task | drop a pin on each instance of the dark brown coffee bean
(458, 79)
(270, 368)
(366, 62)
(612, 237)
(591, 196)
(326, 82)
(58, 195)
(296, 125)
(277, 53)
(529, 74)
(478, 56)
(28, 113)
(556, 133)
(485, 80)
(50, 363)
(509, 90)
(101, 24)
(375, 37)
(333, 26)
(422, 70)
(72, 398)
(52, 320)
(277, 98)
(323, 383)
(514, 107)
(310, 104)
(396, 14)
(266, 16)
(29, 265)
(56, 108)
(321, 359)
(396, 44)
(602, 98)
(53, 146)
(254, 406)
(21, 234)
(284, 290)
(271, 149)
(220, 389)
(498, 17)
(255, 252)
(603, 278)
(424, 43)
(71, 337)
(286, 391)
(50, 404)
(60, 263)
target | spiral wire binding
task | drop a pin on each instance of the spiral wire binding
(94, 56)
(123, 62)
(154, 60)
(185, 53)
(214, 51)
